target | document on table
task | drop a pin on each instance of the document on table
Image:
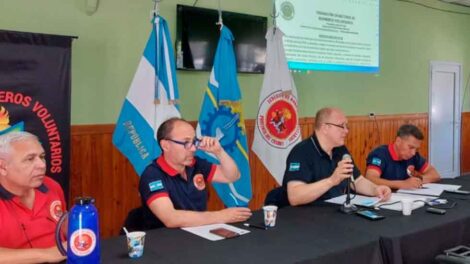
(394, 203)
(357, 200)
(203, 231)
(431, 189)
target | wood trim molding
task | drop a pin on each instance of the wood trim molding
(99, 170)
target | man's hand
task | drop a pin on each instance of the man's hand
(52, 254)
(235, 214)
(211, 145)
(412, 183)
(343, 171)
(383, 192)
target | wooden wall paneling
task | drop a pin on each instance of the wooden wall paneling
(99, 170)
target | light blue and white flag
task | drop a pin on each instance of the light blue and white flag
(221, 117)
(151, 100)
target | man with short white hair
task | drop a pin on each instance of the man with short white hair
(30, 202)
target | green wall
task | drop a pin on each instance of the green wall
(110, 43)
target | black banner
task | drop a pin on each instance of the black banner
(35, 94)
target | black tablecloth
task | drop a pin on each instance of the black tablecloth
(314, 234)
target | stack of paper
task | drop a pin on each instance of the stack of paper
(430, 189)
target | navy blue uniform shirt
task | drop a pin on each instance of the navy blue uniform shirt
(159, 179)
(385, 161)
(308, 162)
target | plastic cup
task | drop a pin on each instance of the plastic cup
(270, 214)
(407, 206)
(135, 244)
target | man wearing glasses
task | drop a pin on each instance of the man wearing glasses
(174, 187)
(316, 168)
(399, 165)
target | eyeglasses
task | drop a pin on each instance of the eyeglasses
(343, 126)
(187, 144)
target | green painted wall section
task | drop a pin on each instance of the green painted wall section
(110, 43)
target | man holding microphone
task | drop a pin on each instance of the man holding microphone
(317, 167)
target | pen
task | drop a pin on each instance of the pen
(255, 226)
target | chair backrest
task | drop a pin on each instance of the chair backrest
(278, 197)
(444, 259)
(135, 220)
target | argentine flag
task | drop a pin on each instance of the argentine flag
(151, 99)
(221, 117)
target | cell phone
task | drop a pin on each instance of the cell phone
(223, 232)
(435, 202)
(458, 191)
(371, 215)
(433, 210)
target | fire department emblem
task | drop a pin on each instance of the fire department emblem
(199, 182)
(56, 209)
(277, 119)
(83, 242)
(5, 126)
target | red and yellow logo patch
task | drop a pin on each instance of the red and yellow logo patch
(199, 182)
(55, 209)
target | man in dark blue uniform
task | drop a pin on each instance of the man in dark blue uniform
(174, 187)
(316, 169)
(399, 165)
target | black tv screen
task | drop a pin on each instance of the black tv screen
(197, 36)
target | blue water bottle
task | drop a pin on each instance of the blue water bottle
(83, 236)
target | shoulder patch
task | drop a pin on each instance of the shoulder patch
(294, 166)
(156, 185)
(376, 161)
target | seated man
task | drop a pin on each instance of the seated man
(316, 169)
(30, 202)
(399, 165)
(174, 187)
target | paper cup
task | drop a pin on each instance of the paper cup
(407, 206)
(135, 244)
(270, 213)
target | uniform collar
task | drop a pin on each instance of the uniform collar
(317, 146)
(393, 153)
(167, 167)
(6, 195)
(319, 149)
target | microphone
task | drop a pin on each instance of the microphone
(348, 207)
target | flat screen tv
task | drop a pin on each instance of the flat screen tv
(197, 36)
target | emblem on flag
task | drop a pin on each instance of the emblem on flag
(277, 119)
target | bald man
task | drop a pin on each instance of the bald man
(315, 168)
(174, 187)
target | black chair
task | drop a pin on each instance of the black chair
(278, 197)
(456, 255)
(444, 259)
(135, 220)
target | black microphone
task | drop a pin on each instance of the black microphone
(347, 206)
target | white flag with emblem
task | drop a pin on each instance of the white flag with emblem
(277, 126)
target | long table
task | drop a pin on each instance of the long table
(314, 234)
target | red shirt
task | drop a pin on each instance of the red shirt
(22, 227)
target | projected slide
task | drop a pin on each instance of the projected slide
(330, 35)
